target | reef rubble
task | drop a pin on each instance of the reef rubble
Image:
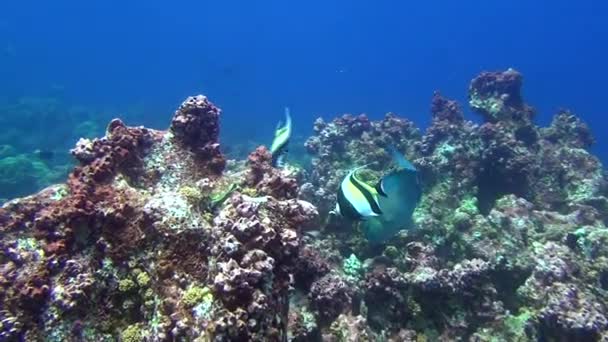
(156, 236)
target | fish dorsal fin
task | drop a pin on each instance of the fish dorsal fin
(288, 120)
(354, 171)
(399, 159)
(372, 190)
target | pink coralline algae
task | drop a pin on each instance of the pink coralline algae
(153, 238)
(268, 180)
(255, 257)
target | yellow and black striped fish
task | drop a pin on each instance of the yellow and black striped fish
(280, 144)
(356, 199)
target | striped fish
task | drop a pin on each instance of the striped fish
(280, 144)
(356, 199)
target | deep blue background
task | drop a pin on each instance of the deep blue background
(318, 57)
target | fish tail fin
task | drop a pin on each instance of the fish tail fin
(287, 122)
(356, 169)
(288, 118)
(287, 114)
(279, 161)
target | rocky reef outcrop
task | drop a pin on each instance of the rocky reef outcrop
(505, 204)
(156, 236)
(150, 239)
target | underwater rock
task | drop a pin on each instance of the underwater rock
(567, 129)
(445, 110)
(310, 266)
(497, 97)
(196, 125)
(267, 180)
(255, 257)
(331, 296)
(102, 245)
(491, 193)
(350, 328)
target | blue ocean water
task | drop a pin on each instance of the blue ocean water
(139, 59)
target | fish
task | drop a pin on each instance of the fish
(401, 193)
(280, 144)
(357, 200)
(313, 233)
(46, 155)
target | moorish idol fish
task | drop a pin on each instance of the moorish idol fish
(280, 144)
(357, 200)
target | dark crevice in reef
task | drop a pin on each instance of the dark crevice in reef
(492, 185)
(451, 250)
(443, 312)
(527, 135)
(603, 279)
(551, 331)
(507, 282)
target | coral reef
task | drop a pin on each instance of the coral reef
(155, 236)
(497, 97)
(196, 125)
(130, 239)
(496, 195)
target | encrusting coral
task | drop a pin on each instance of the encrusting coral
(155, 236)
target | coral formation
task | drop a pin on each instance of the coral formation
(196, 125)
(155, 236)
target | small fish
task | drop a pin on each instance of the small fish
(313, 233)
(280, 144)
(357, 200)
(44, 154)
